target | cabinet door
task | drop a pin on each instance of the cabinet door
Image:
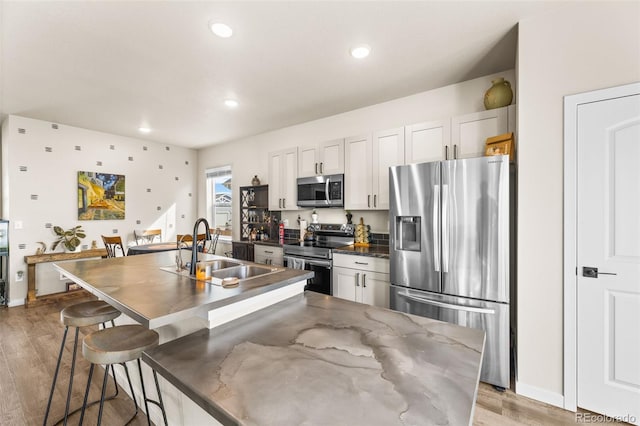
(470, 132)
(289, 183)
(331, 154)
(276, 164)
(239, 251)
(308, 161)
(375, 289)
(426, 142)
(388, 150)
(358, 194)
(344, 283)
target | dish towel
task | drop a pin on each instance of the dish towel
(295, 263)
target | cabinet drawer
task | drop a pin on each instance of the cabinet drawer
(266, 251)
(365, 263)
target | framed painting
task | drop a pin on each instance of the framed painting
(101, 196)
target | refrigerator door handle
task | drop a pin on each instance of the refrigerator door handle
(436, 228)
(447, 305)
(445, 229)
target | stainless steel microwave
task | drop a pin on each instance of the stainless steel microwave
(321, 191)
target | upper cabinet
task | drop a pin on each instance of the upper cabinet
(283, 166)
(462, 136)
(326, 158)
(427, 141)
(469, 132)
(367, 159)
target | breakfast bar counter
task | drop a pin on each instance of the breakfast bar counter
(144, 288)
(316, 359)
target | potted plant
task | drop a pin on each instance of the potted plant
(349, 216)
(314, 216)
(70, 239)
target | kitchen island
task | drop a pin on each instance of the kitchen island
(298, 358)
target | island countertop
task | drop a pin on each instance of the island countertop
(316, 359)
(138, 287)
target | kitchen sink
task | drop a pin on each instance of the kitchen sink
(242, 272)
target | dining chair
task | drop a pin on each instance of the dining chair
(187, 238)
(112, 244)
(147, 236)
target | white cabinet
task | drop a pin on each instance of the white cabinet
(426, 142)
(326, 158)
(283, 166)
(268, 254)
(367, 162)
(469, 132)
(361, 279)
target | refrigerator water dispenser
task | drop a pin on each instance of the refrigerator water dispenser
(408, 233)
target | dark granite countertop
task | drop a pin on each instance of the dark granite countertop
(374, 250)
(319, 360)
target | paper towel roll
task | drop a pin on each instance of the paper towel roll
(303, 229)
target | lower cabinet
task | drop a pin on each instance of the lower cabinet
(269, 255)
(361, 279)
(242, 250)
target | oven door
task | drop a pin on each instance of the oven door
(321, 191)
(321, 281)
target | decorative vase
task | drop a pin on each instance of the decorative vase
(314, 218)
(499, 94)
(255, 181)
(349, 216)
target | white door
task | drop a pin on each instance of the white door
(357, 174)
(375, 289)
(388, 151)
(344, 283)
(290, 176)
(469, 132)
(331, 157)
(608, 238)
(426, 142)
(275, 180)
(308, 164)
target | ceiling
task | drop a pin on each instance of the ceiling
(115, 66)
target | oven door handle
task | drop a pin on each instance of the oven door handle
(323, 263)
(326, 190)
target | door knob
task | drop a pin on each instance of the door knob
(591, 272)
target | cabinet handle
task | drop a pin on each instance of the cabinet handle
(455, 152)
(321, 168)
(368, 200)
(284, 203)
(446, 152)
(316, 168)
(267, 251)
(357, 279)
(364, 280)
(279, 203)
(361, 263)
(375, 200)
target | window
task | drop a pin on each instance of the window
(219, 197)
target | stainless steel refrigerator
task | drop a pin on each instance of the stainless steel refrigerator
(449, 249)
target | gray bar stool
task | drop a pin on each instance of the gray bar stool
(79, 315)
(118, 345)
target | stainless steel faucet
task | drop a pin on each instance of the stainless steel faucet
(194, 243)
(179, 261)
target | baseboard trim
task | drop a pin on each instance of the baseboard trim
(539, 394)
(14, 303)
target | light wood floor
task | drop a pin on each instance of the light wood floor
(29, 344)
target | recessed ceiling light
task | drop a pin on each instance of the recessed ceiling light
(360, 51)
(144, 129)
(231, 103)
(220, 29)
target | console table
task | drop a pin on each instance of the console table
(35, 259)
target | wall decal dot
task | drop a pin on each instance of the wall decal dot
(144, 148)
(167, 148)
(23, 168)
(78, 148)
(130, 158)
(98, 163)
(160, 166)
(186, 163)
(84, 247)
(189, 194)
(158, 208)
(115, 231)
(34, 196)
(148, 189)
(48, 225)
(112, 147)
(54, 126)
(138, 222)
(22, 246)
(22, 131)
(177, 178)
(182, 216)
(48, 149)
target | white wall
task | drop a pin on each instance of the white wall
(583, 47)
(248, 156)
(169, 205)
